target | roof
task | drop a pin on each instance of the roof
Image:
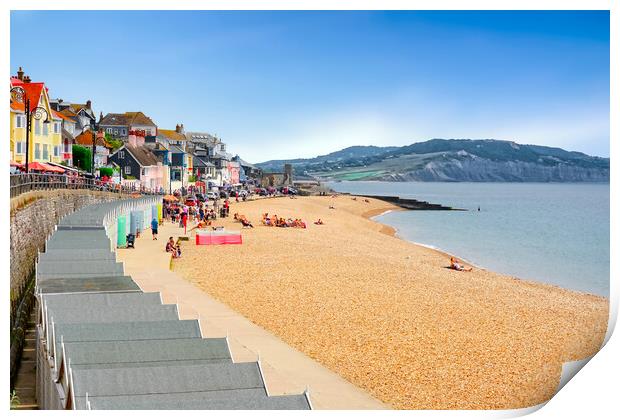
(63, 116)
(17, 106)
(66, 134)
(170, 134)
(143, 155)
(32, 91)
(175, 149)
(128, 118)
(200, 162)
(201, 137)
(86, 139)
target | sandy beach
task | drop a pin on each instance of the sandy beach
(388, 316)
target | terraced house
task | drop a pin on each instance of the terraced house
(45, 132)
(82, 115)
(119, 125)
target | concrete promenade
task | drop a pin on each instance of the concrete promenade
(286, 370)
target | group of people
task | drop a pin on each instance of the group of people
(173, 247)
(281, 221)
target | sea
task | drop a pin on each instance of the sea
(546, 232)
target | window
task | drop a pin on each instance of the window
(45, 129)
(45, 152)
(115, 132)
(143, 172)
(56, 127)
(121, 154)
(20, 147)
(37, 127)
(20, 121)
(127, 170)
(37, 151)
(108, 130)
(124, 132)
(56, 151)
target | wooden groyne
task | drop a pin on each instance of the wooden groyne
(412, 204)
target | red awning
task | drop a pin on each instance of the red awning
(53, 168)
(43, 167)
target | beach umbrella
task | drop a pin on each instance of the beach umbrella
(37, 166)
(52, 168)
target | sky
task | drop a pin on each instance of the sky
(278, 85)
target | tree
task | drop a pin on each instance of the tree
(106, 172)
(115, 143)
(82, 157)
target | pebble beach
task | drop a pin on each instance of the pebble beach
(388, 315)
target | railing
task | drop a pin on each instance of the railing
(23, 183)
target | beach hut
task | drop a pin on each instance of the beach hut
(103, 343)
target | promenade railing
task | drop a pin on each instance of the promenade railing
(23, 183)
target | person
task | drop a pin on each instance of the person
(246, 223)
(178, 250)
(319, 222)
(456, 265)
(154, 226)
(170, 246)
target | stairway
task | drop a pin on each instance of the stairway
(25, 383)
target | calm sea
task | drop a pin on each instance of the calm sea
(552, 233)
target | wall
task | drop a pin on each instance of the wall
(34, 220)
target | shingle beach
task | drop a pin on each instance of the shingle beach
(388, 316)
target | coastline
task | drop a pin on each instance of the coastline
(392, 231)
(388, 316)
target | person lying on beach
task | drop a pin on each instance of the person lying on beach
(246, 223)
(366, 200)
(456, 265)
(319, 222)
(332, 208)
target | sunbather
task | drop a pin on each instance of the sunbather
(456, 265)
(319, 222)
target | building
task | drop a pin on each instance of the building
(102, 148)
(247, 170)
(66, 138)
(119, 125)
(175, 143)
(209, 148)
(140, 166)
(17, 136)
(278, 179)
(82, 115)
(45, 133)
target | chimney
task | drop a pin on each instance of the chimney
(20, 73)
(88, 103)
(27, 79)
(100, 116)
(178, 128)
(59, 101)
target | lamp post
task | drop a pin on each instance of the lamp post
(19, 95)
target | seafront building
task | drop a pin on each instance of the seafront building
(186, 157)
(45, 133)
(140, 166)
(120, 125)
(82, 115)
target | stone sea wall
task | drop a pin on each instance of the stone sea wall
(33, 218)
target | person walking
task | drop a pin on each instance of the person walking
(154, 226)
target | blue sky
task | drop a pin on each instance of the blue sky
(298, 84)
